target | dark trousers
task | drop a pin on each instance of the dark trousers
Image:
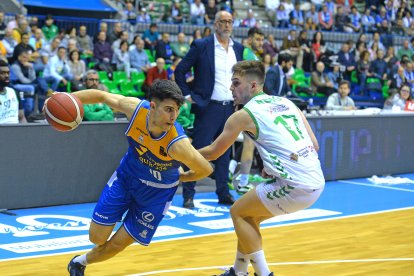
(208, 125)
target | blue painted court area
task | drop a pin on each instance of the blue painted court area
(61, 229)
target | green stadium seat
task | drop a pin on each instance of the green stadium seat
(120, 77)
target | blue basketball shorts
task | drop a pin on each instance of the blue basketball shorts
(145, 206)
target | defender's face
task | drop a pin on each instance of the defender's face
(165, 113)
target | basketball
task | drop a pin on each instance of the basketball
(64, 111)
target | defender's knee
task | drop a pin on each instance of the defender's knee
(97, 239)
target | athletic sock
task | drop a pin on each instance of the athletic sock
(232, 166)
(244, 179)
(81, 260)
(258, 261)
(241, 264)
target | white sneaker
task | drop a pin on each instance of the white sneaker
(244, 189)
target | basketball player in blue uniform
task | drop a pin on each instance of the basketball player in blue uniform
(146, 180)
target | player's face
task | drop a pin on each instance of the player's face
(165, 113)
(4, 76)
(240, 88)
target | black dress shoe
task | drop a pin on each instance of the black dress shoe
(226, 200)
(188, 203)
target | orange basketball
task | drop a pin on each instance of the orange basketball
(64, 111)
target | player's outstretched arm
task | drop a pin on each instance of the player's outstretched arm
(235, 124)
(184, 152)
(121, 103)
(310, 131)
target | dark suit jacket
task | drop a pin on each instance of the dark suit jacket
(201, 57)
(273, 82)
(161, 50)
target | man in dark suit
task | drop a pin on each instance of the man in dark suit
(347, 59)
(212, 102)
(276, 81)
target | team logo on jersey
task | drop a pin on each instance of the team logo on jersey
(162, 151)
(147, 216)
(294, 156)
(141, 139)
(141, 150)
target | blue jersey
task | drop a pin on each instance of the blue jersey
(147, 158)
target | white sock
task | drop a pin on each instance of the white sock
(244, 179)
(81, 259)
(258, 261)
(241, 264)
(232, 166)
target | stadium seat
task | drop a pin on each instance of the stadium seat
(120, 77)
(127, 89)
(112, 87)
(151, 57)
(103, 76)
(138, 78)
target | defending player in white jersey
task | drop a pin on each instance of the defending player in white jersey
(288, 148)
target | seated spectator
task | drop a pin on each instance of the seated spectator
(57, 70)
(197, 12)
(335, 76)
(163, 49)
(392, 61)
(379, 68)
(320, 81)
(156, 72)
(100, 111)
(24, 46)
(397, 100)
(360, 47)
(70, 34)
(211, 10)
(9, 43)
(313, 14)
(250, 21)
(175, 14)
(143, 16)
(325, 18)
(399, 78)
(103, 27)
(363, 72)
(405, 50)
(409, 74)
(342, 21)
(282, 17)
(49, 30)
(355, 20)
(306, 48)
(206, 31)
(22, 27)
(270, 47)
(123, 36)
(196, 35)
(341, 100)
(318, 45)
(150, 37)
(122, 60)
(180, 48)
(138, 57)
(85, 42)
(130, 14)
(368, 22)
(298, 14)
(398, 28)
(346, 59)
(290, 45)
(37, 41)
(3, 25)
(115, 34)
(77, 69)
(102, 53)
(11, 111)
(381, 16)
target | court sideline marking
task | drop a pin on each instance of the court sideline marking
(376, 186)
(279, 264)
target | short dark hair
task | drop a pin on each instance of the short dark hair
(166, 89)
(346, 83)
(249, 68)
(3, 63)
(253, 31)
(285, 57)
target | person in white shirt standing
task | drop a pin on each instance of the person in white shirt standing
(288, 147)
(11, 109)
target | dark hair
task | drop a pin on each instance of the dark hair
(253, 31)
(249, 68)
(322, 42)
(122, 43)
(61, 47)
(284, 57)
(346, 83)
(153, 25)
(166, 89)
(71, 54)
(3, 63)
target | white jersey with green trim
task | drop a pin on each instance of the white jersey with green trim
(283, 141)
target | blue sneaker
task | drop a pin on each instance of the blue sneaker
(76, 269)
(229, 272)
(271, 274)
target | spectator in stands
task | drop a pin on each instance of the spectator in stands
(363, 72)
(306, 48)
(52, 48)
(335, 76)
(176, 13)
(197, 12)
(409, 74)
(276, 80)
(130, 14)
(341, 100)
(398, 28)
(150, 37)
(211, 11)
(291, 46)
(57, 70)
(270, 47)
(143, 16)
(381, 16)
(156, 72)
(282, 17)
(123, 36)
(24, 46)
(397, 100)
(3, 26)
(270, 8)
(368, 21)
(318, 45)
(312, 13)
(330, 5)
(22, 27)
(341, 21)
(100, 111)
(49, 29)
(196, 35)
(347, 59)
(85, 42)
(250, 21)
(77, 69)
(373, 51)
(163, 49)
(11, 109)
(206, 31)
(138, 57)
(298, 14)
(392, 61)
(210, 95)
(355, 20)
(181, 47)
(103, 27)
(405, 50)
(122, 60)
(408, 20)
(310, 24)
(320, 81)
(13, 24)
(325, 18)
(37, 41)
(115, 34)
(361, 47)
(379, 68)
(102, 53)
(399, 78)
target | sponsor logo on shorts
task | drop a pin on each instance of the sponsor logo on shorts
(101, 216)
(147, 216)
(143, 234)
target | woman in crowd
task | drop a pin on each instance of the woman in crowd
(77, 68)
(397, 100)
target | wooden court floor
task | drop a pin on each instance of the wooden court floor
(377, 244)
